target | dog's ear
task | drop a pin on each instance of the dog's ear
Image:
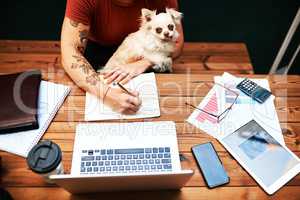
(176, 16)
(148, 14)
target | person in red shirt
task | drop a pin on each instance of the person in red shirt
(91, 32)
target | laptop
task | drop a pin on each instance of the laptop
(124, 156)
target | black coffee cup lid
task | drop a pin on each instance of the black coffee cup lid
(44, 157)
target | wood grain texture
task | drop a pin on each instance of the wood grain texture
(199, 63)
(204, 58)
(191, 193)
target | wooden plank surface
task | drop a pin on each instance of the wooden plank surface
(174, 91)
(16, 177)
(204, 58)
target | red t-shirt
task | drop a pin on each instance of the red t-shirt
(110, 23)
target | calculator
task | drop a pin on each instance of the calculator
(254, 91)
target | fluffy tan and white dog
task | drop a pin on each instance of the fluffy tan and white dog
(154, 41)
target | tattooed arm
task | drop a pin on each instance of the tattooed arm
(73, 42)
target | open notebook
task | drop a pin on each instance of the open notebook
(145, 84)
(51, 97)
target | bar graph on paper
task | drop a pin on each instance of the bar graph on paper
(210, 107)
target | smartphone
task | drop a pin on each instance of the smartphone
(210, 165)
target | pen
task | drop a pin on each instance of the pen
(123, 88)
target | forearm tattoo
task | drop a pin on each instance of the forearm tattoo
(91, 76)
(74, 23)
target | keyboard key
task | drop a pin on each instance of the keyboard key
(157, 161)
(134, 167)
(104, 157)
(138, 162)
(82, 169)
(94, 163)
(127, 168)
(90, 152)
(107, 163)
(110, 151)
(160, 155)
(129, 156)
(95, 169)
(98, 157)
(113, 162)
(88, 164)
(159, 166)
(132, 162)
(100, 163)
(151, 161)
(120, 162)
(148, 150)
(168, 166)
(154, 156)
(167, 149)
(165, 160)
(115, 168)
(110, 157)
(140, 167)
(108, 169)
(141, 156)
(84, 151)
(126, 162)
(146, 167)
(87, 158)
(123, 157)
(102, 169)
(82, 164)
(97, 151)
(129, 151)
(103, 152)
(117, 157)
(160, 149)
(135, 156)
(153, 166)
(148, 156)
(155, 150)
(89, 169)
(167, 155)
(145, 162)
(121, 168)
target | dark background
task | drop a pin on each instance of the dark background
(261, 24)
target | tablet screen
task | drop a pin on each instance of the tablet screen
(260, 152)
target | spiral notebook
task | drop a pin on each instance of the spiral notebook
(51, 97)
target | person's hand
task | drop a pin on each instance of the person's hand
(125, 73)
(122, 102)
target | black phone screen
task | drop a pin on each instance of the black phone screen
(210, 165)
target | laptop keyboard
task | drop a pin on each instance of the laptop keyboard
(157, 159)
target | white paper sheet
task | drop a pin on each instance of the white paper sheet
(145, 84)
(244, 110)
(247, 109)
(51, 97)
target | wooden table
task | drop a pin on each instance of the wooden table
(174, 90)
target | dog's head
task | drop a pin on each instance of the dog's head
(163, 25)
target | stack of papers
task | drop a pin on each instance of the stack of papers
(244, 110)
(145, 84)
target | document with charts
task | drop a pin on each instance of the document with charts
(145, 84)
(204, 121)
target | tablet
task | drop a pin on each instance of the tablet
(266, 160)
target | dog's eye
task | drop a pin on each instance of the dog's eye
(171, 27)
(158, 30)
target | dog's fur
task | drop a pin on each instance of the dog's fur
(154, 41)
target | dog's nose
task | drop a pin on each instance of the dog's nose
(166, 34)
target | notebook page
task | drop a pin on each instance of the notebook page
(145, 84)
(51, 97)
